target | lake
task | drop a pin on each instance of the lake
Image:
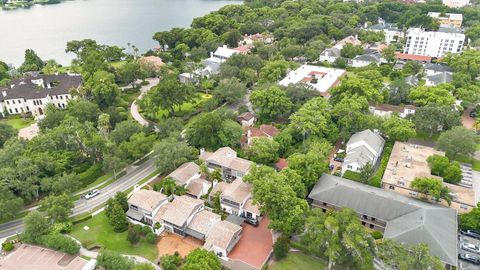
(46, 29)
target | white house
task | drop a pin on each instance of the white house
(391, 31)
(34, 93)
(144, 204)
(223, 238)
(436, 74)
(362, 148)
(320, 78)
(225, 159)
(188, 175)
(246, 119)
(456, 3)
(387, 110)
(434, 43)
(365, 60)
(330, 55)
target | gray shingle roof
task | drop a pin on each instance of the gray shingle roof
(371, 138)
(408, 220)
(444, 77)
(367, 58)
(438, 67)
(24, 88)
(333, 52)
(360, 155)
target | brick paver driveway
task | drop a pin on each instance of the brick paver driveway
(255, 246)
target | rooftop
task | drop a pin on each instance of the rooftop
(237, 191)
(195, 186)
(185, 172)
(408, 220)
(409, 161)
(147, 199)
(406, 56)
(320, 78)
(222, 235)
(227, 157)
(203, 221)
(179, 210)
(450, 16)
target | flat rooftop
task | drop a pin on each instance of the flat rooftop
(320, 78)
(409, 161)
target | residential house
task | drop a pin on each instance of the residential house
(153, 62)
(448, 19)
(437, 74)
(411, 80)
(176, 215)
(246, 119)
(32, 94)
(212, 64)
(330, 55)
(362, 148)
(202, 224)
(320, 78)
(391, 31)
(387, 110)
(223, 238)
(225, 159)
(281, 164)
(198, 187)
(400, 218)
(412, 57)
(250, 133)
(409, 161)
(456, 3)
(185, 173)
(250, 39)
(434, 43)
(366, 60)
(144, 204)
(236, 199)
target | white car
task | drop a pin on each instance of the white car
(471, 248)
(92, 194)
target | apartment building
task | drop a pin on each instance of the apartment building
(456, 3)
(434, 43)
(448, 19)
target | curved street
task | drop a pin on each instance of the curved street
(133, 176)
(134, 107)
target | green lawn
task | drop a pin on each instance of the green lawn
(102, 234)
(18, 123)
(299, 261)
(187, 107)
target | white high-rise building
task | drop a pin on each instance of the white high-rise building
(434, 43)
(456, 3)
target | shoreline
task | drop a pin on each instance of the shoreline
(27, 5)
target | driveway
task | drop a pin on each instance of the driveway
(255, 245)
(29, 132)
(467, 121)
(134, 107)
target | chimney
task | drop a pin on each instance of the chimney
(202, 150)
(224, 46)
(211, 54)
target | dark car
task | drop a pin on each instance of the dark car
(252, 221)
(473, 114)
(469, 258)
(471, 233)
(339, 159)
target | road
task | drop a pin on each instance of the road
(133, 176)
(134, 107)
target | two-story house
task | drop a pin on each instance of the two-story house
(144, 204)
(225, 159)
(362, 148)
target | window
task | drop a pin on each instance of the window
(61, 97)
(324, 204)
(392, 187)
(364, 217)
(371, 226)
(13, 101)
(16, 110)
(373, 219)
(363, 223)
(10, 110)
(28, 109)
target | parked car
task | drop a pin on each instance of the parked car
(252, 221)
(92, 194)
(473, 114)
(339, 159)
(469, 258)
(471, 233)
(470, 247)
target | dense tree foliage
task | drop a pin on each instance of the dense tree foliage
(431, 187)
(457, 142)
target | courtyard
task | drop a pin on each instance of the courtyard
(171, 243)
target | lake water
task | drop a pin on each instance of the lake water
(46, 29)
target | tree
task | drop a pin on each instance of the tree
(144, 266)
(359, 86)
(369, 36)
(6, 132)
(313, 119)
(350, 51)
(274, 71)
(122, 200)
(83, 110)
(168, 126)
(340, 237)
(101, 86)
(366, 173)
(263, 150)
(270, 103)
(434, 118)
(212, 130)
(299, 94)
(118, 218)
(389, 53)
(171, 262)
(111, 260)
(457, 142)
(31, 62)
(232, 37)
(131, 71)
(57, 208)
(36, 225)
(200, 258)
(133, 234)
(281, 248)
(230, 90)
(471, 220)
(431, 187)
(312, 164)
(10, 204)
(440, 94)
(124, 130)
(350, 114)
(398, 93)
(442, 166)
(398, 129)
(171, 153)
(415, 257)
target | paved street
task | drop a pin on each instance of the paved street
(134, 107)
(82, 206)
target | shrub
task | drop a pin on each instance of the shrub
(81, 218)
(376, 234)
(7, 246)
(281, 247)
(62, 227)
(89, 176)
(170, 262)
(113, 261)
(151, 238)
(60, 242)
(133, 235)
(146, 230)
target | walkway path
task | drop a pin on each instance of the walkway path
(468, 121)
(134, 107)
(29, 132)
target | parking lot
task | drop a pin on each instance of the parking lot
(463, 265)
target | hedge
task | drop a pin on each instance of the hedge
(81, 218)
(376, 180)
(60, 242)
(91, 174)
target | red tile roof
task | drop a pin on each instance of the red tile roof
(405, 56)
(281, 164)
(269, 130)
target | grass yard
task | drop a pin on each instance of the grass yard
(187, 107)
(299, 261)
(18, 123)
(102, 234)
